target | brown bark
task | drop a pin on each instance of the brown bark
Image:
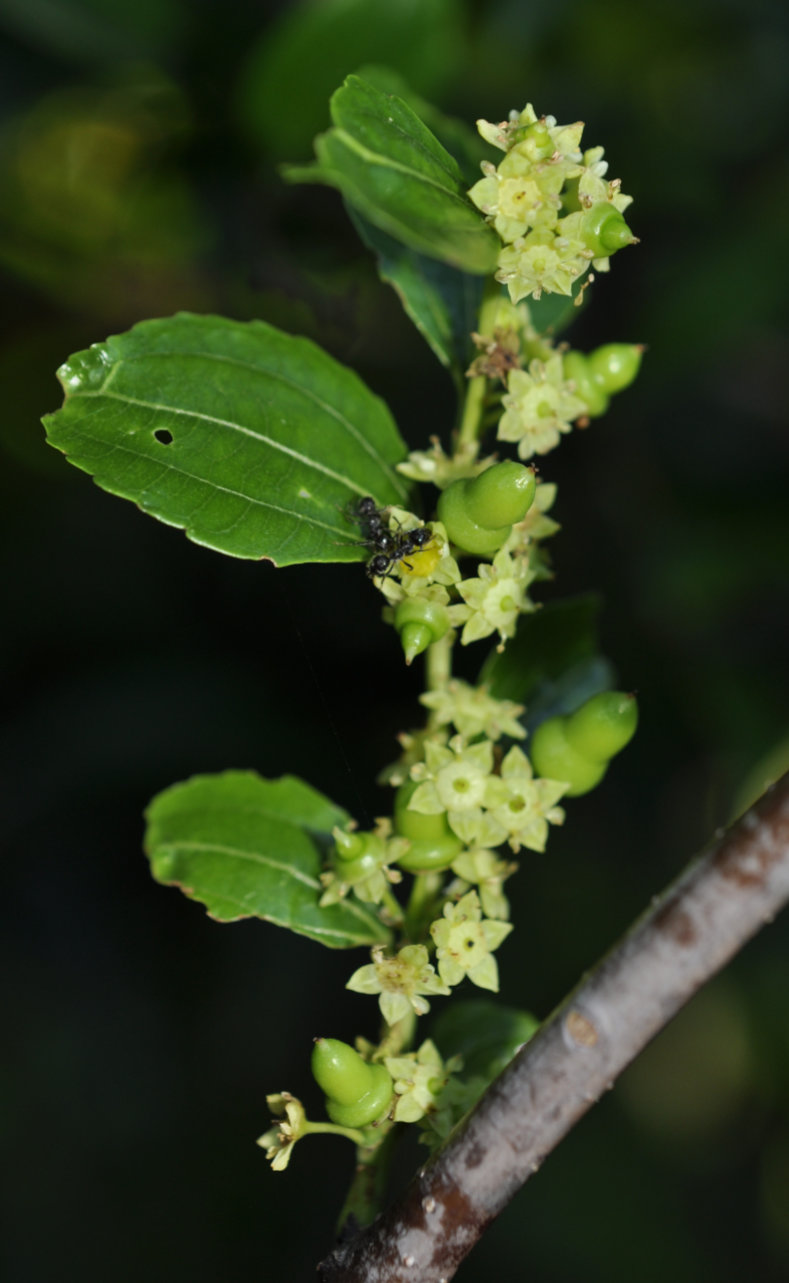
(688, 934)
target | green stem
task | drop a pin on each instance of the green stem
(333, 1129)
(394, 908)
(398, 1037)
(470, 422)
(425, 894)
(438, 666)
(366, 1195)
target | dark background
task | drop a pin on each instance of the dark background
(138, 176)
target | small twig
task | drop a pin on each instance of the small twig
(688, 934)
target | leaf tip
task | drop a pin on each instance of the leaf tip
(85, 371)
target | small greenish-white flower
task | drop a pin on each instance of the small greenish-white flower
(535, 526)
(440, 469)
(361, 864)
(419, 1079)
(473, 711)
(542, 173)
(413, 746)
(279, 1140)
(493, 600)
(516, 198)
(542, 260)
(425, 573)
(593, 186)
(453, 779)
(481, 867)
(539, 405)
(543, 137)
(465, 942)
(522, 805)
(401, 981)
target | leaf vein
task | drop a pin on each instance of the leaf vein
(252, 856)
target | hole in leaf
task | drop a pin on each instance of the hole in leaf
(163, 436)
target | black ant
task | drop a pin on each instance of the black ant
(388, 547)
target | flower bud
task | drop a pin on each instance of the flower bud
(419, 623)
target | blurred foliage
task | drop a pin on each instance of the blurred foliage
(137, 176)
(291, 71)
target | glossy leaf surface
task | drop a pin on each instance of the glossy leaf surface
(394, 171)
(247, 847)
(486, 1034)
(442, 301)
(251, 440)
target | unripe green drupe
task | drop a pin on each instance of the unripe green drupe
(357, 1093)
(602, 726)
(479, 512)
(579, 747)
(419, 623)
(433, 844)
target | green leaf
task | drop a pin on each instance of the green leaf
(486, 1034)
(252, 441)
(442, 301)
(246, 847)
(394, 171)
(461, 141)
(552, 664)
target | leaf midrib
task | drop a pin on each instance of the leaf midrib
(276, 376)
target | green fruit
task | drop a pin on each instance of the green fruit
(372, 1105)
(433, 844)
(479, 512)
(430, 855)
(578, 748)
(356, 1092)
(576, 367)
(604, 230)
(353, 871)
(419, 623)
(603, 725)
(356, 856)
(555, 759)
(500, 495)
(614, 366)
(349, 846)
(413, 824)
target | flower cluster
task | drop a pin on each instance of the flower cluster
(550, 204)
(491, 600)
(486, 808)
(539, 405)
(469, 799)
(494, 598)
(419, 1081)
